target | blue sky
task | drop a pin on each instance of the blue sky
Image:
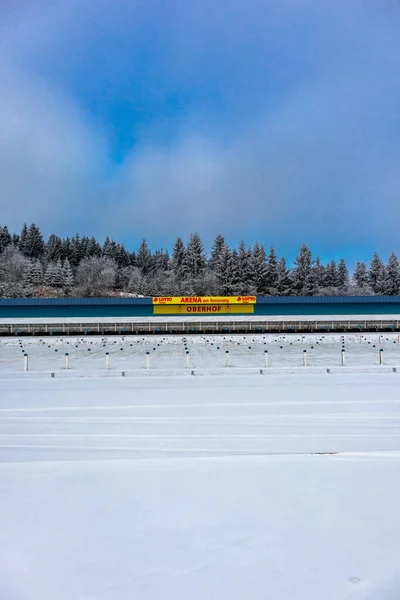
(276, 120)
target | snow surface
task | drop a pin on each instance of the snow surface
(87, 355)
(201, 487)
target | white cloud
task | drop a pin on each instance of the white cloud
(49, 157)
(319, 165)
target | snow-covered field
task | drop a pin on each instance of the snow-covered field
(200, 487)
(168, 354)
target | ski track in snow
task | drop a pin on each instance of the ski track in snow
(78, 419)
(238, 487)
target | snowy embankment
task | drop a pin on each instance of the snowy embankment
(125, 489)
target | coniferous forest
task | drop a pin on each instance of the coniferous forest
(81, 266)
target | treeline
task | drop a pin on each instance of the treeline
(81, 266)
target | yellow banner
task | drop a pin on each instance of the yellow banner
(163, 300)
(203, 309)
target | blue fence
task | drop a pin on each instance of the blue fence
(138, 307)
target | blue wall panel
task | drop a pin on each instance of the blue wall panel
(140, 307)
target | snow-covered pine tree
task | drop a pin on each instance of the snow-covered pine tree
(271, 274)
(195, 260)
(31, 242)
(331, 275)
(49, 275)
(54, 275)
(377, 275)
(68, 276)
(161, 260)
(343, 276)
(59, 274)
(23, 236)
(123, 257)
(259, 268)
(302, 277)
(33, 276)
(178, 259)
(360, 275)
(85, 241)
(93, 248)
(144, 260)
(245, 284)
(235, 291)
(318, 270)
(53, 248)
(5, 238)
(283, 286)
(76, 251)
(217, 247)
(66, 249)
(226, 270)
(393, 276)
(110, 249)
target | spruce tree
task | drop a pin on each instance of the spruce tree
(144, 259)
(245, 284)
(195, 260)
(216, 250)
(318, 273)
(161, 260)
(33, 276)
(93, 248)
(226, 271)
(66, 252)
(110, 249)
(76, 251)
(271, 273)
(235, 273)
(178, 258)
(342, 276)
(54, 275)
(23, 236)
(122, 257)
(49, 276)
(84, 247)
(392, 276)
(283, 286)
(302, 277)
(377, 275)
(331, 275)
(5, 238)
(54, 248)
(31, 242)
(259, 268)
(68, 276)
(360, 275)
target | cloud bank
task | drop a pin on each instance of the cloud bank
(156, 119)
